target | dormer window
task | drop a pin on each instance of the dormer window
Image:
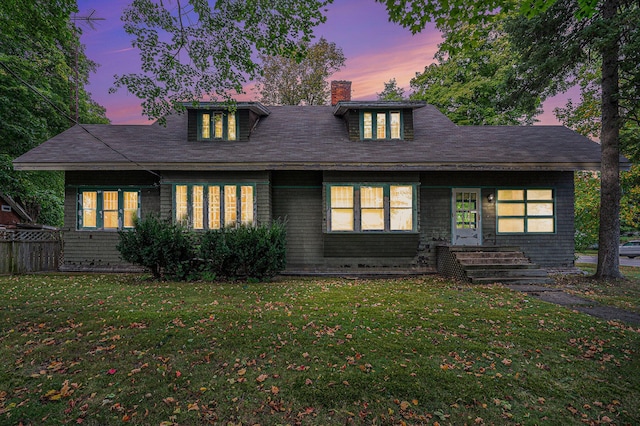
(381, 125)
(378, 120)
(217, 125)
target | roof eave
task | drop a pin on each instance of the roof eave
(255, 107)
(303, 165)
(343, 106)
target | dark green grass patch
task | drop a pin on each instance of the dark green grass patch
(108, 349)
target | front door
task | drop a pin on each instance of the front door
(466, 207)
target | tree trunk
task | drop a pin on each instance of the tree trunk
(609, 236)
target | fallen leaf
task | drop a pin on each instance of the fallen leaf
(261, 378)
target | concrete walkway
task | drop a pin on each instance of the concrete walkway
(559, 297)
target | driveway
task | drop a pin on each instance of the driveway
(624, 261)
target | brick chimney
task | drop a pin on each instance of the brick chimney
(340, 91)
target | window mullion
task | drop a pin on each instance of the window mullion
(120, 209)
(99, 209)
(357, 210)
(386, 205)
(238, 205)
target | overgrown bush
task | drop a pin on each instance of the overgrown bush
(170, 251)
(167, 249)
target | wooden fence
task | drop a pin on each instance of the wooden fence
(25, 251)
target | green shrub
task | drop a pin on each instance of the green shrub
(170, 251)
(245, 252)
(167, 249)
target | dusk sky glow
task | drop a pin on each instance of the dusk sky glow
(376, 51)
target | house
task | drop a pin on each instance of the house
(11, 212)
(362, 185)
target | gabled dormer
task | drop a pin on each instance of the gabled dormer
(216, 122)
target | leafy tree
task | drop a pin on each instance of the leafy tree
(38, 43)
(555, 38)
(584, 117)
(191, 49)
(391, 92)
(471, 81)
(288, 80)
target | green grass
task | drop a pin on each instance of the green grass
(108, 349)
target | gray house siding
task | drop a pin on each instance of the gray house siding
(95, 250)
(297, 199)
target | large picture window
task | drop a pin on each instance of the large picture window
(202, 206)
(371, 208)
(525, 211)
(108, 209)
(381, 125)
(219, 125)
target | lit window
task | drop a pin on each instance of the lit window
(89, 209)
(370, 208)
(181, 203)
(401, 207)
(226, 205)
(214, 207)
(231, 126)
(206, 126)
(198, 206)
(395, 125)
(367, 125)
(107, 209)
(110, 209)
(381, 125)
(230, 204)
(525, 211)
(342, 208)
(130, 209)
(217, 125)
(246, 213)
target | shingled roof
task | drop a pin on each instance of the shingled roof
(312, 137)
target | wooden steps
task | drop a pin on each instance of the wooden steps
(489, 264)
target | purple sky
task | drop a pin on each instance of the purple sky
(376, 51)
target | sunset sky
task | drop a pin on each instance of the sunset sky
(376, 51)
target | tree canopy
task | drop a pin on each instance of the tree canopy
(191, 50)
(291, 80)
(471, 81)
(37, 55)
(391, 92)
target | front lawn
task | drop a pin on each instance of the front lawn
(108, 349)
